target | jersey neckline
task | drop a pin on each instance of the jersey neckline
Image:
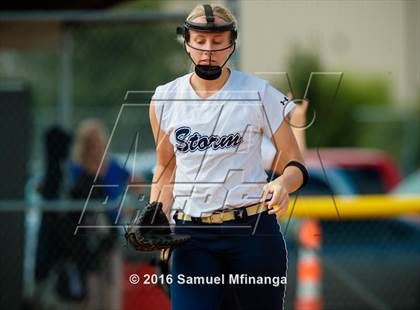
(216, 93)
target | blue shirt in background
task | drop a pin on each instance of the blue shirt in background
(114, 175)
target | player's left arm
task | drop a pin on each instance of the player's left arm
(291, 177)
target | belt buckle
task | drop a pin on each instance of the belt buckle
(240, 214)
(218, 218)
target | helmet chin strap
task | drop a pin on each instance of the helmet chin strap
(209, 72)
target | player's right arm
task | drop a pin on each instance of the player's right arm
(164, 173)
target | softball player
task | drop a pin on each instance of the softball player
(208, 127)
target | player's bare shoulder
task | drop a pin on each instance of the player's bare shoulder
(171, 89)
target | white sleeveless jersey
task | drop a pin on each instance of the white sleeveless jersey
(217, 140)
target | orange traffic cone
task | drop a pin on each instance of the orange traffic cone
(309, 271)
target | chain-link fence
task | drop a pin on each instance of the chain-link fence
(88, 68)
(69, 68)
(86, 72)
(366, 264)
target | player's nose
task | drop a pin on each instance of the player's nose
(208, 46)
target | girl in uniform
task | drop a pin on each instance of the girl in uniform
(208, 127)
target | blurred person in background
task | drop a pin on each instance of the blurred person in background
(102, 256)
(53, 256)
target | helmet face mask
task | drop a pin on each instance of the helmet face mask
(220, 41)
(207, 71)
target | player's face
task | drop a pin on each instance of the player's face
(214, 46)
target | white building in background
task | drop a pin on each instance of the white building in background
(380, 36)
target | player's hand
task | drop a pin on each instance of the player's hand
(280, 197)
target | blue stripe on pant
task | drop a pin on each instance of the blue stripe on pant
(230, 249)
